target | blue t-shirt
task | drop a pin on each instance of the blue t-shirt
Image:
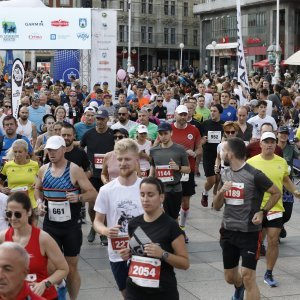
(7, 142)
(229, 114)
(36, 116)
(81, 128)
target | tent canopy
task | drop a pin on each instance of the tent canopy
(22, 3)
(265, 63)
(294, 59)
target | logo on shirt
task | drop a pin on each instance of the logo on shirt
(190, 136)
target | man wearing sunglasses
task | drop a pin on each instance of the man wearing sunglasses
(160, 111)
(124, 121)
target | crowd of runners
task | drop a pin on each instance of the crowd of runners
(130, 160)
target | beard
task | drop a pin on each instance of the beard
(125, 173)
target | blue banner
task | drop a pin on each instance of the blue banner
(66, 64)
(9, 60)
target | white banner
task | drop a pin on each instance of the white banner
(45, 28)
(17, 78)
(104, 48)
(242, 70)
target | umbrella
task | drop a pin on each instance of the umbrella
(294, 59)
(261, 64)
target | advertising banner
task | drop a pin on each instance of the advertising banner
(17, 78)
(44, 28)
(66, 64)
(104, 48)
(242, 70)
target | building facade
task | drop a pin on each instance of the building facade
(218, 23)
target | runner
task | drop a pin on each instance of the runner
(242, 192)
(61, 187)
(156, 244)
(118, 201)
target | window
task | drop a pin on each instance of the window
(144, 5)
(185, 9)
(185, 36)
(166, 8)
(65, 2)
(143, 34)
(166, 35)
(122, 6)
(150, 7)
(103, 3)
(172, 8)
(173, 38)
(150, 35)
(46, 2)
(195, 37)
(122, 33)
(257, 23)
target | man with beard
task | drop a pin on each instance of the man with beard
(25, 126)
(124, 122)
(242, 191)
(119, 201)
(86, 124)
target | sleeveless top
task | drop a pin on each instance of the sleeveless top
(54, 190)
(38, 263)
(25, 130)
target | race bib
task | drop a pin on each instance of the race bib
(164, 173)
(59, 211)
(119, 243)
(31, 278)
(98, 160)
(272, 215)
(184, 177)
(145, 271)
(214, 137)
(235, 196)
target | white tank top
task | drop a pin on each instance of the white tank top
(25, 130)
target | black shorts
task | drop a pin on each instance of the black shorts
(96, 183)
(120, 270)
(236, 244)
(69, 240)
(188, 187)
(209, 166)
(172, 204)
(275, 223)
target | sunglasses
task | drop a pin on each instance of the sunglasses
(159, 100)
(118, 137)
(7, 106)
(230, 132)
(72, 96)
(9, 214)
(122, 114)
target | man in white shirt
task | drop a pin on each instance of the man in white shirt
(124, 122)
(170, 104)
(119, 201)
(208, 97)
(260, 119)
(263, 95)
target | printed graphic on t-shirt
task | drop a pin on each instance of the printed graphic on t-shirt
(127, 210)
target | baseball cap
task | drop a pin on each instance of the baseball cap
(142, 129)
(267, 135)
(164, 126)
(105, 83)
(94, 104)
(102, 113)
(55, 142)
(107, 96)
(283, 129)
(89, 108)
(253, 102)
(98, 91)
(121, 130)
(181, 109)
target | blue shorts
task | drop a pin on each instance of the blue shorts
(120, 270)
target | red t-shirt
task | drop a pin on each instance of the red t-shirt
(189, 138)
(26, 294)
(254, 149)
(38, 263)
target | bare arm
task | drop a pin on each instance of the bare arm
(104, 173)
(34, 135)
(290, 186)
(102, 229)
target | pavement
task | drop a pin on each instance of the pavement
(204, 279)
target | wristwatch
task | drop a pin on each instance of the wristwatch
(165, 256)
(48, 284)
(264, 211)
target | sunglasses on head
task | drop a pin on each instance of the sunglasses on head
(230, 132)
(118, 137)
(9, 214)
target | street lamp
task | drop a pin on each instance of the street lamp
(214, 44)
(129, 36)
(181, 46)
(277, 74)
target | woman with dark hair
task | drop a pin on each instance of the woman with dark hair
(157, 246)
(41, 247)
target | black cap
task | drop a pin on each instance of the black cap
(164, 126)
(98, 91)
(102, 113)
(47, 116)
(283, 129)
(105, 83)
(122, 130)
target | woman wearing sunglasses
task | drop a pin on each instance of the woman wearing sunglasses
(41, 247)
(20, 173)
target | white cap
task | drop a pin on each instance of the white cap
(55, 142)
(181, 109)
(89, 108)
(267, 135)
(142, 129)
(35, 80)
(94, 104)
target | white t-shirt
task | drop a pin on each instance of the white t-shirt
(171, 106)
(257, 121)
(128, 126)
(3, 202)
(269, 107)
(120, 204)
(144, 164)
(208, 99)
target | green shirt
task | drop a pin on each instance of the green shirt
(152, 131)
(205, 112)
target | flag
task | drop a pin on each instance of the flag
(242, 69)
(17, 78)
(9, 60)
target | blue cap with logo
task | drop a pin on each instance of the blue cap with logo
(102, 113)
(164, 126)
